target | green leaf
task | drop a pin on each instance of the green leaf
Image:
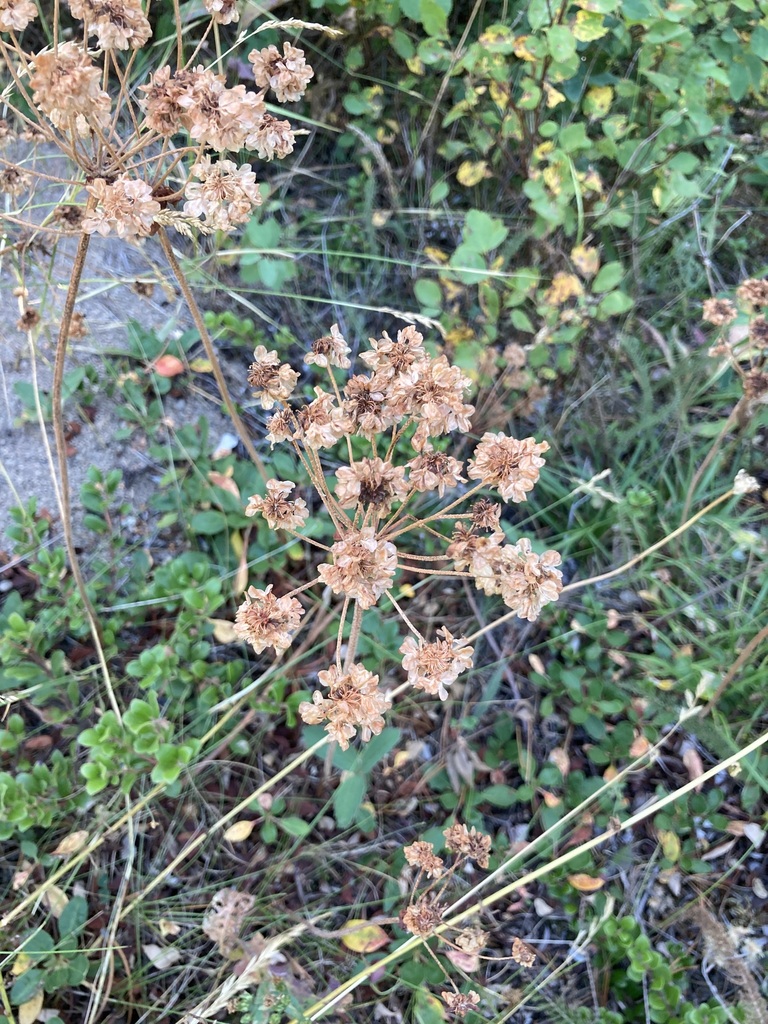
(433, 18)
(293, 826)
(740, 81)
(428, 293)
(73, 917)
(483, 232)
(608, 277)
(472, 264)
(499, 796)
(26, 985)
(209, 522)
(347, 799)
(562, 43)
(574, 137)
(614, 304)
(38, 945)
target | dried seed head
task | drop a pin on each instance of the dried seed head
(753, 292)
(371, 483)
(422, 856)
(474, 844)
(264, 620)
(15, 15)
(271, 138)
(118, 24)
(125, 207)
(366, 405)
(67, 87)
(216, 116)
(226, 195)
(433, 667)
(271, 380)
(330, 350)
(280, 427)
(14, 181)
(363, 567)
(434, 471)
(528, 581)
(472, 940)
(287, 75)
(28, 320)
(758, 332)
(393, 360)
(223, 12)
(322, 423)
(719, 312)
(486, 515)
(354, 702)
(461, 1003)
(755, 385)
(744, 483)
(279, 512)
(422, 917)
(507, 464)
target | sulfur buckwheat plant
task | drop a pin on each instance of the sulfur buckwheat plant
(382, 504)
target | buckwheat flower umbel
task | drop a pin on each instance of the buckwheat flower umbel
(472, 940)
(271, 380)
(225, 193)
(365, 403)
(219, 117)
(322, 423)
(509, 465)
(396, 359)
(279, 512)
(223, 12)
(434, 471)
(125, 207)
(67, 87)
(354, 702)
(280, 427)
(528, 581)
(461, 1003)
(13, 181)
(422, 856)
(476, 845)
(433, 667)
(758, 332)
(330, 350)
(162, 110)
(287, 75)
(271, 138)
(15, 15)
(486, 515)
(476, 552)
(436, 398)
(264, 620)
(753, 292)
(118, 24)
(718, 312)
(372, 483)
(363, 567)
(422, 917)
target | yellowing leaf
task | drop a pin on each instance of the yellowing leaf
(28, 1011)
(521, 51)
(168, 366)
(553, 95)
(415, 65)
(640, 745)
(586, 883)
(563, 288)
(670, 844)
(586, 259)
(71, 843)
(168, 927)
(55, 899)
(201, 365)
(472, 172)
(365, 938)
(224, 631)
(240, 831)
(435, 255)
(21, 963)
(598, 100)
(589, 26)
(500, 94)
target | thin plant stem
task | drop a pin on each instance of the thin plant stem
(354, 636)
(63, 495)
(205, 337)
(715, 448)
(733, 671)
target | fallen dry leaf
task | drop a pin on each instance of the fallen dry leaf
(161, 956)
(468, 962)
(225, 481)
(71, 843)
(168, 927)
(224, 631)
(693, 763)
(586, 883)
(366, 938)
(168, 366)
(28, 1011)
(224, 918)
(240, 831)
(55, 899)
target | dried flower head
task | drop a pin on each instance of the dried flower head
(422, 856)
(279, 512)
(529, 581)
(422, 917)
(472, 940)
(371, 482)
(280, 427)
(225, 194)
(522, 953)
(322, 423)
(366, 405)
(363, 566)
(434, 471)
(755, 385)
(125, 207)
(719, 312)
(264, 620)
(216, 116)
(436, 397)
(118, 24)
(13, 181)
(354, 702)
(15, 15)
(287, 75)
(28, 320)
(271, 138)
(271, 380)
(507, 464)
(330, 350)
(67, 87)
(461, 1003)
(393, 360)
(473, 844)
(433, 667)
(753, 292)
(486, 515)
(758, 332)
(744, 483)
(223, 12)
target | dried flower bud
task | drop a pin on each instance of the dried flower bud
(14, 181)
(363, 567)
(433, 667)
(287, 75)
(758, 332)
(719, 312)
(422, 917)
(528, 581)
(264, 620)
(371, 483)
(330, 350)
(118, 24)
(461, 1003)
(271, 138)
(354, 702)
(422, 856)
(434, 471)
(507, 464)
(753, 292)
(223, 12)
(67, 87)
(473, 844)
(393, 360)
(271, 380)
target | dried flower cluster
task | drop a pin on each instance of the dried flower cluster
(380, 503)
(743, 341)
(427, 908)
(133, 143)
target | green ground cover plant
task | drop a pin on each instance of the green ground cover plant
(370, 713)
